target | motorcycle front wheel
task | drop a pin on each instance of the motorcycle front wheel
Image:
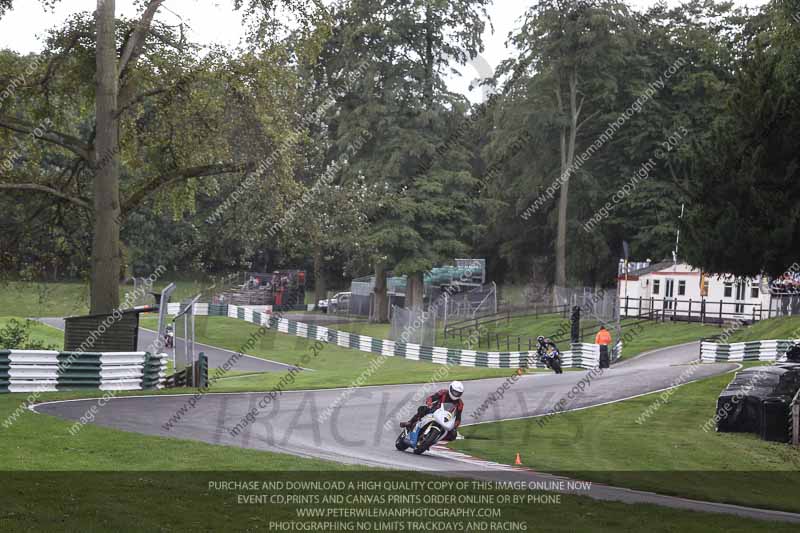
(427, 441)
(400, 443)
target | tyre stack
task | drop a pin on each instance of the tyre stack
(758, 400)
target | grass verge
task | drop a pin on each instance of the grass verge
(157, 501)
(637, 338)
(38, 331)
(333, 366)
(668, 452)
(776, 328)
(109, 480)
(34, 299)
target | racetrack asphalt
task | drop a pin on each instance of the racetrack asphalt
(217, 357)
(364, 424)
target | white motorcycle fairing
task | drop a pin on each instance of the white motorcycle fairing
(430, 429)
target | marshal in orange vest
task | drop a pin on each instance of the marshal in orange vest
(603, 337)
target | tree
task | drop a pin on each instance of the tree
(403, 102)
(683, 57)
(125, 96)
(571, 47)
(743, 217)
(105, 246)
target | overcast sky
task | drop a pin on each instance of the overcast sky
(214, 21)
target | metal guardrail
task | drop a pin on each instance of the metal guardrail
(191, 376)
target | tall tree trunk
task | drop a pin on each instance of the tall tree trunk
(568, 137)
(415, 291)
(105, 247)
(319, 275)
(429, 59)
(380, 310)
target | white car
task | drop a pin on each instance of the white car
(340, 299)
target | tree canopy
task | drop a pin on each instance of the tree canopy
(331, 142)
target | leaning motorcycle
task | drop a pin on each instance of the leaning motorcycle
(430, 429)
(552, 360)
(169, 338)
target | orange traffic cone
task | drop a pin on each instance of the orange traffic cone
(517, 461)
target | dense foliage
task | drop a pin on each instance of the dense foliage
(333, 144)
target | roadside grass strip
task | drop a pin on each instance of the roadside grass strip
(763, 350)
(668, 454)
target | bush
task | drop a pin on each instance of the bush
(17, 336)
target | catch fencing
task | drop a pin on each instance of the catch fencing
(581, 355)
(47, 370)
(413, 325)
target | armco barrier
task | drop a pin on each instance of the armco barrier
(46, 370)
(581, 355)
(711, 352)
(5, 363)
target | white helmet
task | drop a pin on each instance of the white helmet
(456, 390)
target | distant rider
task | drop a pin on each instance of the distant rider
(169, 336)
(544, 344)
(546, 355)
(452, 394)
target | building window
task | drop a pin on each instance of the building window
(656, 286)
(682, 288)
(705, 288)
(754, 291)
(728, 289)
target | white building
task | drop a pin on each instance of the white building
(680, 290)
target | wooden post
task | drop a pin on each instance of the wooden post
(639, 313)
(720, 313)
(690, 309)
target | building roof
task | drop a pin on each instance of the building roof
(655, 267)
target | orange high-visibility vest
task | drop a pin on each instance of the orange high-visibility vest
(603, 337)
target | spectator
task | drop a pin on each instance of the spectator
(603, 337)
